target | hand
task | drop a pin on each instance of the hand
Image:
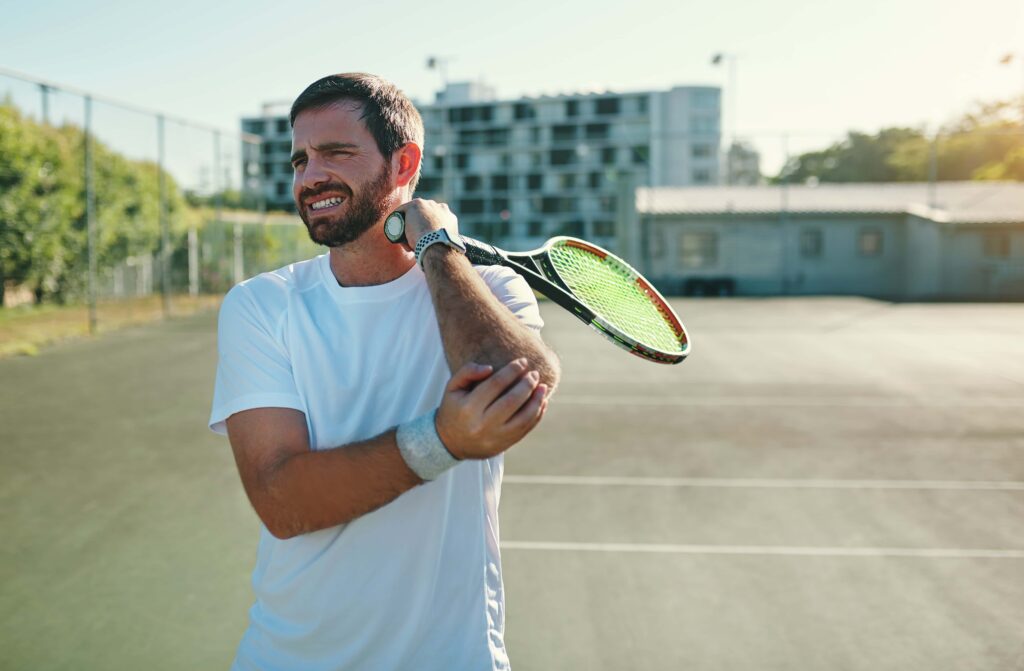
(424, 216)
(483, 413)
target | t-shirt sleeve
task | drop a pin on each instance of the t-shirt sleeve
(253, 367)
(515, 293)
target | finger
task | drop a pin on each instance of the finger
(529, 415)
(514, 398)
(469, 375)
(488, 390)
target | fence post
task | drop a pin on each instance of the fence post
(165, 234)
(90, 216)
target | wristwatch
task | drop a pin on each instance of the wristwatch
(440, 236)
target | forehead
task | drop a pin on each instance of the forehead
(339, 122)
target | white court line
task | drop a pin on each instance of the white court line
(763, 483)
(796, 401)
(765, 550)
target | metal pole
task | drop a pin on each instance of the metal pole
(239, 267)
(165, 234)
(933, 170)
(90, 216)
(45, 91)
(193, 262)
(732, 120)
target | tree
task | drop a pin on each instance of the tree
(984, 143)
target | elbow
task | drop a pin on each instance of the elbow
(550, 371)
(277, 527)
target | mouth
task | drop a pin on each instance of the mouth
(324, 204)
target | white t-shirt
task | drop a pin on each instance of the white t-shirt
(416, 583)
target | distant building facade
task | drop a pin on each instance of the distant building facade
(959, 240)
(518, 171)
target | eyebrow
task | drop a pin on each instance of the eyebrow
(327, 146)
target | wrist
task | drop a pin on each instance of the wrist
(422, 449)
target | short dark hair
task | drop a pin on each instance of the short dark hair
(390, 116)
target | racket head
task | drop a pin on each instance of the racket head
(627, 309)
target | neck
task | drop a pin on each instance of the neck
(370, 260)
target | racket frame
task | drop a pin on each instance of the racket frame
(536, 268)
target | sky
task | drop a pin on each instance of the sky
(810, 69)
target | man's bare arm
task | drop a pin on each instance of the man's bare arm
(475, 326)
(295, 490)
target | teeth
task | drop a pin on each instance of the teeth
(327, 202)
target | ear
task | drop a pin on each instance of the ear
(405, 162)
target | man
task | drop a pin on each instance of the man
(368, 399)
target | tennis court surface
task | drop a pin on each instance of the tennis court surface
(824, 484)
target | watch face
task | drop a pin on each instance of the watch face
(394, 226)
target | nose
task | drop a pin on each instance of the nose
(313, 174)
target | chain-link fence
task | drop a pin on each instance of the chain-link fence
(106, 204)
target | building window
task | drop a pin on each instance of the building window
(535, 229)
(641, 154)
(656, 242)
(281, 189)
(870, 242)
(608, 203)
(997, 245)
(701, 150)
(706, 99)
(572, 108)
(556, 204)
(596, 131)
(462, 161)
(535, 182)
(470, 114)
(594, 180)
(524, 111)
(641, 104)
(703, 124)
(282, 126)
(499, 182)
(572, 228)
(604, 228)
(562, 156)
(567, 181)
(563, 133)
(701, 176)
(811, 244)
(608, 156)
(471, 206)
(698, 249)
(471, 183)
(607, 106)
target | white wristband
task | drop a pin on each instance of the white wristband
(422, 448)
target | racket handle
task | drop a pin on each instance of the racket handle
(481, 253)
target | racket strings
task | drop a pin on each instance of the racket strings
(611, 291)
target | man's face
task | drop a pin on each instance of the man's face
(342, 184)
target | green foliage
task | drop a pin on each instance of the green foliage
(986, 143)
(43, 239)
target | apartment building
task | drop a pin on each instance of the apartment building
(518, 171)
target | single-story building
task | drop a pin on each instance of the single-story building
(910, 241)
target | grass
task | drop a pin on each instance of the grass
(25, 330)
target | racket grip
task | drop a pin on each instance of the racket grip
(481, 253)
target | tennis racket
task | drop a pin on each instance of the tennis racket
(602, 290)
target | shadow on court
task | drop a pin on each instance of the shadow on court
(824, 484)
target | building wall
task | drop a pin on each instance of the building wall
(765, 255)
(984, 261)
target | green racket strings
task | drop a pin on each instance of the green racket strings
(611, 291)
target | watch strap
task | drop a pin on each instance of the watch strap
(439, 236)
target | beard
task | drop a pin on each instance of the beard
(362, 211)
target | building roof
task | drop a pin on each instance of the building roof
(956, 202)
